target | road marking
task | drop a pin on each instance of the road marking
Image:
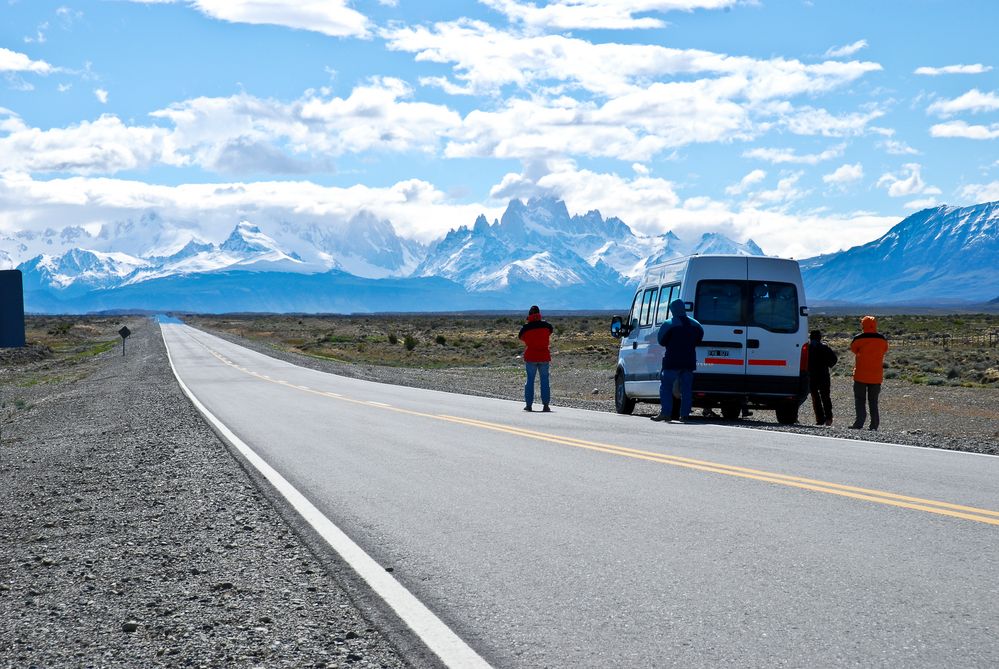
(437, 636)
(854, 492)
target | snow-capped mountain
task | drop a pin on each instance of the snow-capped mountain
(363, 245)
(6, 262)
(79, 270)
(940, 254)
(539, 242)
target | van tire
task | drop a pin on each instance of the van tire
(622, 403)
(731, 410)
(787, 413)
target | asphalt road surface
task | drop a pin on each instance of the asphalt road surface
(586, 539)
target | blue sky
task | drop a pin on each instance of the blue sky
(808, 126)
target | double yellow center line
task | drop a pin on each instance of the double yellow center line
(866, 494)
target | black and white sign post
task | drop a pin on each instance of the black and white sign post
(124, 332)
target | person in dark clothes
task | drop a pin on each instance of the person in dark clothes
(680, 335)
(821, 359)
(869, 348)
(536, 335)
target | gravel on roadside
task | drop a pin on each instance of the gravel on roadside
(130, 536)
(952, 418)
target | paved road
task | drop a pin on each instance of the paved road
(543, 541)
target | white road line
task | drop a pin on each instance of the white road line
(437, 636)
(378, 404)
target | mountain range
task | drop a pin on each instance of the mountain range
(536, 252)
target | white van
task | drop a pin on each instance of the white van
(755, 325)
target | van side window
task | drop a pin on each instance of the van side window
(648, 303)
(719, 302)
(666, 295)
(774, 306)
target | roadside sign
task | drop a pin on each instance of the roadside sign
(124, 332)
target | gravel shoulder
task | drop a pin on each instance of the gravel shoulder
(132, 537)
(953, 418)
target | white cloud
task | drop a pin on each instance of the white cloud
(101, 95)
(846, 49)
(598, 14)
(63, 88)
(976, 193)
(909, 182)
(240, 133)
(786, 191)
(977, 68)
(486, 59)
(845, 174)
(13, 61)
(897, 148)
(416, 208)
(329, 17)
(921, 203)
(103, 146)
(973, 101)
(751, 179)
(962, 130)
(790, 156)
(811, 121)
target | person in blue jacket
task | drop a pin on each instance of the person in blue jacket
(680, 336)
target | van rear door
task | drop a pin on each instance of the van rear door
(773, 340)
(718, 306)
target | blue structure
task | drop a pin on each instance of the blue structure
(11, 309)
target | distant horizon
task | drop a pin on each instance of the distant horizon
(791, 124)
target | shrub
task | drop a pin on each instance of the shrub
(953, 373)
(410, 342)
(441, 339)
(393, 338)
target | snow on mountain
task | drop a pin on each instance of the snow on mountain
(363, 245)
(79, 270)
(539, 241)
(6, 262)
(940, 254)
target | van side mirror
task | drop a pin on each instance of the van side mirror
(803, 311)
(618, 329)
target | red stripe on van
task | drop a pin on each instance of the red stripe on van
(769, 363)
(722, 361)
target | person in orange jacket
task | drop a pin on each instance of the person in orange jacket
(536, 335)
(869, 348)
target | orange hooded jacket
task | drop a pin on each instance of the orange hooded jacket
(869, 348)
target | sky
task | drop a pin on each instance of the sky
(808, 126)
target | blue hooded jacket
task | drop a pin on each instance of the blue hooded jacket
(680, 335)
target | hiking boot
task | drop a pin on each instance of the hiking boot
(828, 422)
(546, 409)
(528, 408)
(660, 417)
(856, 427)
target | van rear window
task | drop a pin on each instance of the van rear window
(770, 305)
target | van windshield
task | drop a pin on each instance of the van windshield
(770, 305)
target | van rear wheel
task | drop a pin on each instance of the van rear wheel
(787, 413)
(622, 403)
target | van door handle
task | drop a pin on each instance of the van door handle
(752, 343)
(737, 331)
(634, 344)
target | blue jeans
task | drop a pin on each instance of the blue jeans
(666, 379)
(546, 393)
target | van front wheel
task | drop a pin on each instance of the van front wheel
(787, 413)
(622, 403)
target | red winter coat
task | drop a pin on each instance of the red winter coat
(536, 335)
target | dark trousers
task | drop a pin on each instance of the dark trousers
(821, 402)
(866, 393)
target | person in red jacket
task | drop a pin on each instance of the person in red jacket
(536, 335)
(869, 348)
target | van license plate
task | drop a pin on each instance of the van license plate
(718, 353)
